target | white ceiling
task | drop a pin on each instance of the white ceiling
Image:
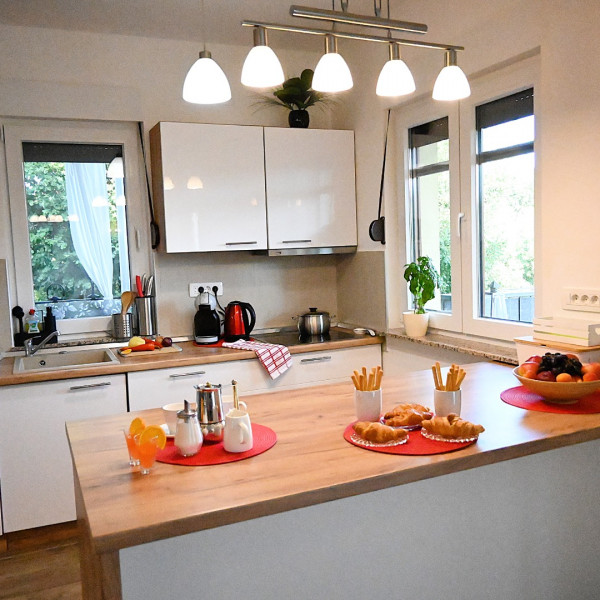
(167, 19)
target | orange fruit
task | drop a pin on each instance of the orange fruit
(593, 367)
(564, 377)
(154, 433)
(137, 426)
(591, 376)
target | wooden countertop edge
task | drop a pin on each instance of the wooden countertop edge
(168, 361)
(235, 514)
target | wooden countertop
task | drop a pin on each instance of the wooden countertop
(311, 462)
(190, 355)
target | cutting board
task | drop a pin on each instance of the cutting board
(158, 352)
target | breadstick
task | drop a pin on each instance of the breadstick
(461, 376)
(439, 374)
(355, 380)
(379, 376)
(436, 381)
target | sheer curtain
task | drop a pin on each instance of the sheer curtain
(122, 235)
(89, 219)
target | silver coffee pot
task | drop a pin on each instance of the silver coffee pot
(209, 405)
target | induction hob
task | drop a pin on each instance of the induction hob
(293, 338)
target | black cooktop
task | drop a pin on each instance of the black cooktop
(292, 338)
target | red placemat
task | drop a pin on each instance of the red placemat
(214, 454)
(521, 397)
(417, 445)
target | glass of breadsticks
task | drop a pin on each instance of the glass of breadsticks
(447, 394)
(367, 393)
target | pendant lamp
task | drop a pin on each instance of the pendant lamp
(332, 73)
(261, 68)
(205, 82)
(451, 83)
(395, 78)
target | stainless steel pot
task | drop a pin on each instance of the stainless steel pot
(315, 322)
(210, 412)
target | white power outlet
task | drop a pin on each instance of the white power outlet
(581, 299)
(207, 286)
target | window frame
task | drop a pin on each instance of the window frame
(493, 84)
(17, 131)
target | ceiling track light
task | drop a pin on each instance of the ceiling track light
(397, 79)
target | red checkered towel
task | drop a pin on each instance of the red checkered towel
(275, 358)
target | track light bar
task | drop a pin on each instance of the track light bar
(351, 36)
(352, 19)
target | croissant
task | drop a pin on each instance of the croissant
(405, 415)
(378, 433)
(452, 426)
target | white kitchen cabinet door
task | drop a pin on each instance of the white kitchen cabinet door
(36, 472)
(311, 195)
(209, 186)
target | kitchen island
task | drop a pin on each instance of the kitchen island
(515, 515)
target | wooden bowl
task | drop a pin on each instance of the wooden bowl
(558, 391)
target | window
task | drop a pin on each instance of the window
(430, 202)
(469, 202)
(505, 167)
(72, 216)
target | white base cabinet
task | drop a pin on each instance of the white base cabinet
(36, 472)
(152, 389)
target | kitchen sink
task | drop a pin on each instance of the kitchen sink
(75, 359)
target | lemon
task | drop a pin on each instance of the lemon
(136, 341)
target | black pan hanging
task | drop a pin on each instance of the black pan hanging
(377, 227)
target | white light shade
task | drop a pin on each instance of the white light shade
(395, 79)
(332, 74)
(205, 82)
(262, 68)
(451, 83)
(115, 168)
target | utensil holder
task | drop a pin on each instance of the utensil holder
(122, 326)
(145, 307)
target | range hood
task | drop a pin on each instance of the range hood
(306, 251)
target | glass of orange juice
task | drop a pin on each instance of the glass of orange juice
(147, 454)
(132, 448)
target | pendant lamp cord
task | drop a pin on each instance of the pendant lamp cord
(387, 127)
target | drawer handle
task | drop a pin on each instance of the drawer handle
(239, 243)
(316, 359)
(89, 386)
(296, 241)
(194, 374)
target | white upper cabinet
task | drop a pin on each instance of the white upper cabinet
(311, 196)
(209, 186)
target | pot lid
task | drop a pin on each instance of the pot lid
(314, 311)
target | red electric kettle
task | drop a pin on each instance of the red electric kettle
(240, 319)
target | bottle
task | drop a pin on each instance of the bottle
(49, 321)
(32, 322)
(188, 435)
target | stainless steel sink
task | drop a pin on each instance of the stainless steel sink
(71, 359)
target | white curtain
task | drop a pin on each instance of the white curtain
(122, 235)
(89, 219)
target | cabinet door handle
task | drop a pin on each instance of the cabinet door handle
(316, 359)
(89, 386)
(296, 241)
(240, 243)
(193, 374)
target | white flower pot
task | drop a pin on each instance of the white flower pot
(415, 325)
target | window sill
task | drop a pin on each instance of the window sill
(496, 350)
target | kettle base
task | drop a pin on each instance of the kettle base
(206, 339)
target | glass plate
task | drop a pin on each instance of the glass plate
(367, 444)
(405, 427)
(441, 438)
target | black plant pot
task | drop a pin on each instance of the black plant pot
(298, 118)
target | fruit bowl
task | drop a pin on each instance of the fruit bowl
(558, 391)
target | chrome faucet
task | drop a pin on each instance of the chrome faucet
(30, 349)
